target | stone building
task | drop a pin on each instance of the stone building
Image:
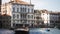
(38, 19)
(6, 21)
(21, 12)
(45, 17)
(54, 19)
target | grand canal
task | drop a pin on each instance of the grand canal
(34, 31)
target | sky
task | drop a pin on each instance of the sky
(51, 5)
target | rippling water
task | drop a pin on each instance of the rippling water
(44, 31)
(34, 31)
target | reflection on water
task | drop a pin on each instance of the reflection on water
(4, 31)
(34, 31)
(44, 31)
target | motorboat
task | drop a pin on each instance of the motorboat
(22, 31)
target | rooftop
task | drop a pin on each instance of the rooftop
(20, 2)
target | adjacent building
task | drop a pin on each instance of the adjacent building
(6, 21)
(45, 17)
(0, 13)
(54, 19)
(50, 18)
(38, 19)
(0, 21)
(0, 5)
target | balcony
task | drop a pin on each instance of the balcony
(23, 12)
(23, 18)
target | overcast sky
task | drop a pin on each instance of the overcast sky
(53, 5)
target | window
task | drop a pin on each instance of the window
(21, 9)
(28, 21)
(28, 16)
(17, 9)
(32, 16)
(17, 15)
(21, 15)
(35, 11)
(14, 21)
(32, 10)
(17, 21)
(24, 16)
(13, 9)
(14, 16)
(28, 10)
(32, 21)
(25, 9)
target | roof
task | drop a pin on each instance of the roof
(21, 2)
(54, 13)
(44, 11)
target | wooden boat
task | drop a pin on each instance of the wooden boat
(22, 31)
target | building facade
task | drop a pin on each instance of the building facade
(54, 19)
(38, 19)
(0, 21)
(21, 12)
(0, 14)
(50, 18)
(6, 21)
(0, 5)
(45, 17)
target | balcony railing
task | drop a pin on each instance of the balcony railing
(23, 18)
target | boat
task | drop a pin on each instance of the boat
(22, 31)
(48, 29)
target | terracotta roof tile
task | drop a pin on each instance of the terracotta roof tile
(19, 2)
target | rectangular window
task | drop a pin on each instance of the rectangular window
(32, 21)
(25, 9)
(21, 15)
(17, 21)
(28, 16)
(28, 10)
(32, 16)
(32, 10)
(13, 16)
(28, 21)
(13, 9)
(17, 9)
(21, 9)
(13, 21)
(17, 15)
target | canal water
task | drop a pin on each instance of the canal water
(34, 31)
